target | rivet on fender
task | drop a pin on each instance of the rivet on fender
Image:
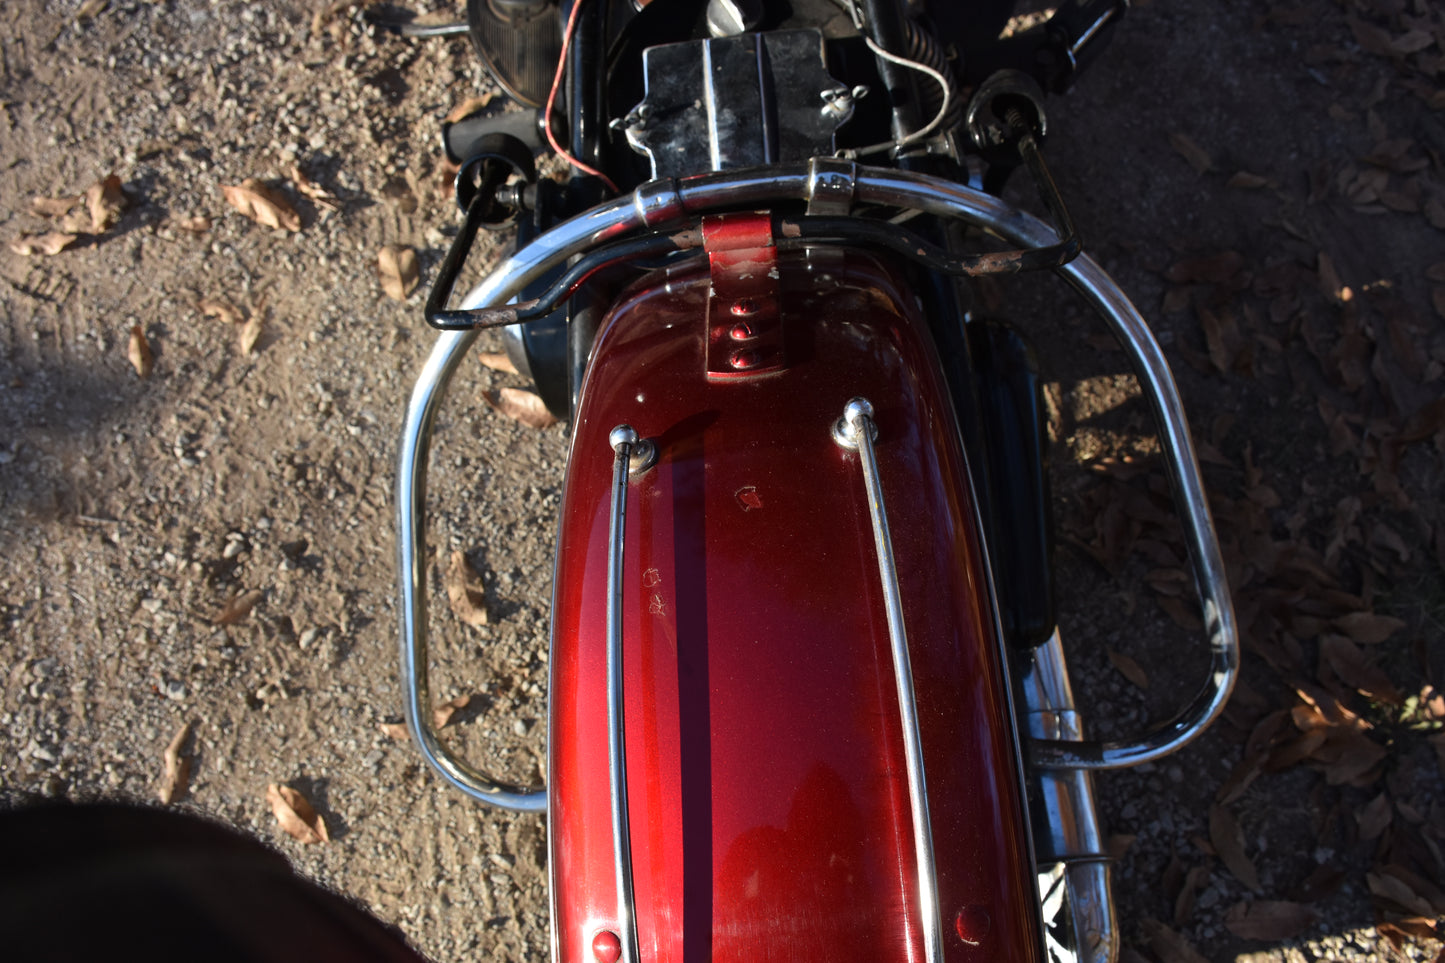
(972, 924)
(606, 947)
(744, 359)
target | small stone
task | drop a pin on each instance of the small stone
(308, 637)
(151, 605)
(233, 548)
(174, 690)
(38, 751)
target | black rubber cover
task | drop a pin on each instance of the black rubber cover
(1011, 408)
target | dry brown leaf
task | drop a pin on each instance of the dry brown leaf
(1432, 703)
(1270, 920)
(443, 713)
(319, 195)
(1375, 818)
(1320, 708)
(1400, 201)
(468, 107)
(1169, 946)
(1129, 669)
(1350, 757)
(1221, 335)
(395, 730)
(1400, 932)
(1176, 299)
(1228, 841)
(1181, 612)
(1367, 628)
(1247, 181)
(178, 768)
(262, 205)
(28, 245)
(251, 333)
(199, 224)
(524, 406)
(1330, 284)
(1411, 41)
(498, 361)
(1173, 877)
(138, 350)
(465, 590)
(1295, 751)
(295, 814)
(1383, 536)
(53, 206)
(1423, 886)
(78, 221)
(1194, 880)
(1321, 884)
(1222, 268)
(399, 271)
(104, 200)
(1191, 152)
(221, 310)
(1390, 887)
(1357, 671)
(1425, 423)
(1435, 212)
(1245, 772)
(238, 607)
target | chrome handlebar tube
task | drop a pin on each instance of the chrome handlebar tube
(832, 185)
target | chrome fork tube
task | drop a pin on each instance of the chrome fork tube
(1066, 825)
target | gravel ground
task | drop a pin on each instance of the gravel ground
(135, 512)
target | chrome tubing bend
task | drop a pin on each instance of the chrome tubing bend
(661, 203)
(504, 284)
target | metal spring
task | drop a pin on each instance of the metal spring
(923, 47)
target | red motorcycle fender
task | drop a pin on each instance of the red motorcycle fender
(769, 812)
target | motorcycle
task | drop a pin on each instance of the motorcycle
(807, 696)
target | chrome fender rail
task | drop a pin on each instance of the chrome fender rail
(834, 183)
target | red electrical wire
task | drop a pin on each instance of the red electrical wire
(552, 100)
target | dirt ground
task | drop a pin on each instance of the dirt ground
(208, 550)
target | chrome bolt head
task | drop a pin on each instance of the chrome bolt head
(622, 435)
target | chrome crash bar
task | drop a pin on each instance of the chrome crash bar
(835, 184)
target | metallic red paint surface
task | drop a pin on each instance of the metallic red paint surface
(768, 801)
